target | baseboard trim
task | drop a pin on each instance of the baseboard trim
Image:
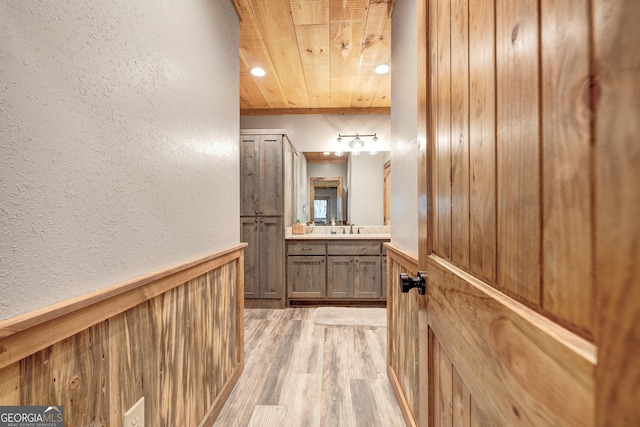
(217, 405)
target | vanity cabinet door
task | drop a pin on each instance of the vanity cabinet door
(340, 275)
(367, 275)
(306, 277)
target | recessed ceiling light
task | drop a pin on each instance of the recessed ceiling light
(326, 153)
(257, 71)
(382, 69)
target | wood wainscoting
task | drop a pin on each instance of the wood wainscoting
(174, 337)
(402, 334)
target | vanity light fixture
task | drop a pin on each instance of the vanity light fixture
(257, 71)
(357, 144)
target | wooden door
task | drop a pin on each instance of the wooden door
(530, 235)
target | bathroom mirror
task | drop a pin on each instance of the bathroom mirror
(362, 188)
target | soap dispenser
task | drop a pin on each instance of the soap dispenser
(333, 226)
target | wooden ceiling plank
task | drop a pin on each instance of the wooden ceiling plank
(253, 52)
(313, 41)
(250, 94)
(374, 50)
(310, 12)
(383, 96)
(312, 53)
(274, 21)
(348, 20)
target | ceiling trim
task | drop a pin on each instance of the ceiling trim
(338, 110)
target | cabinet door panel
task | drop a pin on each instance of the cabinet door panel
(306, 277)
(368, 283)
(249, 233)
(339, 277)
(271, 257)
(249, 175)
(271, 175)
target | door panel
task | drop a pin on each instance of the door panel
(250, 175)
(460, 132)
(271, 173)
(339, 276)
(482, 140)
(442, 155)
(306, 277)
(368, 283)
(250, 234)
(518, 365)
(271, 253)
(567, 154)
(454, 404)
(518, 148)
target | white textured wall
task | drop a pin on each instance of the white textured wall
(118, 142)
(404, 123)
(319, 132)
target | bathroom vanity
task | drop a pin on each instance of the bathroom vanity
(336, 269)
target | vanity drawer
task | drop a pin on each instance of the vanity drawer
(353, 248)
(306, 249)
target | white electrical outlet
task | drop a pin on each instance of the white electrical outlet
(134, 417)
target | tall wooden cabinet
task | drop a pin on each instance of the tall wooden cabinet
(265, 160)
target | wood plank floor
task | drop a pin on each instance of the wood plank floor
(300, 374)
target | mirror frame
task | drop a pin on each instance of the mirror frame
(327, 181)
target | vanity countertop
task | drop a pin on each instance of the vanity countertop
(367, 233)
(338, 236)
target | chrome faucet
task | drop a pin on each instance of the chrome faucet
(351, 229)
